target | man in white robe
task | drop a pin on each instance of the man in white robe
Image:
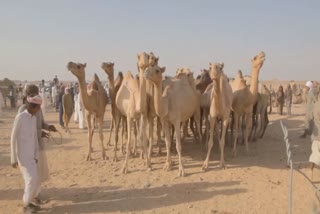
(81, 113)
(25, 150)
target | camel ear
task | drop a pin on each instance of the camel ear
(163, 69)
(85, 65)
(222, 65)
(157, 59)
(138, 56)
(210, 64)
(112, 63)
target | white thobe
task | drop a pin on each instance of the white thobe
(81, 113)
(25, 151)
(44, 102)
(76, 108)
(54, 95)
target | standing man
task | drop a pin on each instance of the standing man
(288, 97)
(280, 99)
(43, 169)
(25, 150)
(61, 93)
(67, 105)
(311, 99)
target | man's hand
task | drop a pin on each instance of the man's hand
(44, 134)
(14, 165)
(52, 128)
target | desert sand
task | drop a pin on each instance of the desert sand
(257, 182)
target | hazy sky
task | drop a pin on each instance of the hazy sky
(38, 38)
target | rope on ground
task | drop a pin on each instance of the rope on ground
(289, 162)
(51, 137)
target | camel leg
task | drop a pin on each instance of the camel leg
(311, 169)
(184, 130)
(265, 124)
(191, 125)
(159, 135)
(110, 131)
(135, 132)
(124, 134)
(178, 147)
(248, 119)
(210, 142)
(100, 125)
(117, 121)
(167, 135)
(222, 141)
(235, 130)
(125, 164)
(90, 135)
(150, 121)
(144, 140)
(197, 119)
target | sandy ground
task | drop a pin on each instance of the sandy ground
(256, 182)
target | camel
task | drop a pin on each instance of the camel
(220, 108)
(175, 104)
(260, 110)
(197, 115)
(204, 87)
(116, 114)
(127, 102)
(145, 102)
(244, 99)
(94, 102)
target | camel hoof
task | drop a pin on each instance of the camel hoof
(167, 167)
(205, 166)
(222, 166)
(149, 169)
(181, 173)
(124, 170)
(115, 159)
(88, 158)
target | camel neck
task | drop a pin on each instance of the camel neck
(142, 91)
(111, 86)
(158, 101)
(254, 82)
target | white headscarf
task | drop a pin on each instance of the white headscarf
(310, 85)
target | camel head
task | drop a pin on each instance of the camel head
(153, 60)
(77, 69)
(258, 60)
(216, 70)
(108, 67)
(143, 60)
(154, 74)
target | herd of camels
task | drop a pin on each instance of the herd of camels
(174, 103)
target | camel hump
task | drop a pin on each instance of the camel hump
(127, 76)
(93, 86)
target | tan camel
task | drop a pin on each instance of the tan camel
(126, 102)
(94, 102)
(196, 117)
(146, 103)
(243, 100)
(176, 104)
(204, 87)
(260, 113)
(220, 108)
(116, 114)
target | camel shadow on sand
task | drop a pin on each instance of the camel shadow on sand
(114, 199)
